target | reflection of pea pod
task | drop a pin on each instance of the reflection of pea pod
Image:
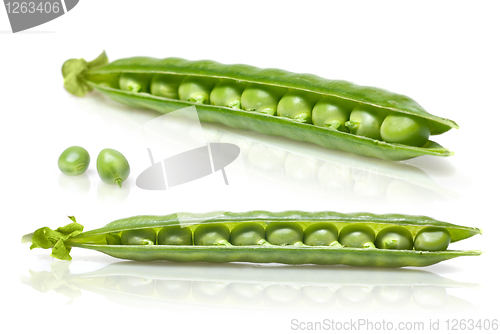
(265, 157)
(394, 173)
(265, 275)
(176, 285)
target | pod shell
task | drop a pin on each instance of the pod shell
(271, 253)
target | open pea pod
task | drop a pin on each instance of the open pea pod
(290, 237)
(268, 101)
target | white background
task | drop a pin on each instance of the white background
(443, 54)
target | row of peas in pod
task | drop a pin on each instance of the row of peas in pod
(301, 106)
(287, 233)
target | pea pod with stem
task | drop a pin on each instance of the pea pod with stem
(331, 113)
(290, 237)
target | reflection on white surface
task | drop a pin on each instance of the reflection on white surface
(333, 173)
(285, 162)
(112, 193)
(74, 185)
(182, 286)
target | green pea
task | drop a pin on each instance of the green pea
(74, 161)
(111, 80)
(321, 234)
(298, 105)
(357, 236)
(394, 237)
(366, 120)
(144, 236)
(331, 112)
(196, 89)
(248, 234)
(405, 129)
(211, 235)
(175, 235)
(284, 233)
(262, 98)
(166, 85)
(432, 239)
(227, 93)
(112, 167)
(135, 82)
(113, 239)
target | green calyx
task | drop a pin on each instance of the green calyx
(334, 125)
(74, 71)
(352, 125)
(47, 238)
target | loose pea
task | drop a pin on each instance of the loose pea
(331, 112)
(144, 236)
(262, 98)
(357, 236)
(284, 233)
(135, 82)
(175, 235)
(227, 93)
(366, 120)
(432, 239)
(394, 237)
(196, 89)
(405, 129)
(248, 234)
(298, 105)
(321, 234)
(211, 235)
(112, 167)
(166, 85)
(74, 161)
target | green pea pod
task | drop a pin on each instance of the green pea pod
(290, 237)
(80, 77)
